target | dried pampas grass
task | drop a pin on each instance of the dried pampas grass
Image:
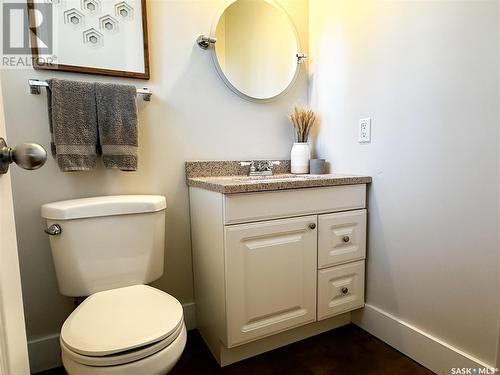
(302, 120)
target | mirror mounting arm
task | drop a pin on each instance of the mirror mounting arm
(205, 41)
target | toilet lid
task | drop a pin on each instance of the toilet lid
(121, 319)
(126, 356)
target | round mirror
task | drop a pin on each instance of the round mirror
(256, 49)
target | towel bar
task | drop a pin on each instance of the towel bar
(36, 84)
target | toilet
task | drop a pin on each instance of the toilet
(108, 248)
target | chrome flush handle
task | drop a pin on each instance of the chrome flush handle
(53, 230)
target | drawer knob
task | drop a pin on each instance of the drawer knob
(346, 239)
(312, 226)
(344, 290)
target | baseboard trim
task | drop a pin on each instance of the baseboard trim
(189, 315)
(422, 347)
(45, 353)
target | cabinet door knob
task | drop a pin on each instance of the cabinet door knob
(312, 226)
(344, 290)
(346, 239)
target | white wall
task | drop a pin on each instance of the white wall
(192, 115)
(427, 72)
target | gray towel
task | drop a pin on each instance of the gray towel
(117, 123)
(73, 124)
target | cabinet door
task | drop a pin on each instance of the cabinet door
(270, 277)
(341, 237)
(341, 289)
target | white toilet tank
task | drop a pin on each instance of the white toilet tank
(107, 242)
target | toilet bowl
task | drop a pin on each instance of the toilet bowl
(122, 330)
(109, 248)
(130, 330)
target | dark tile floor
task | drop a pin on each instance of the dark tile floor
(343, 351)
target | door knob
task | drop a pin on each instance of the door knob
(26, 155)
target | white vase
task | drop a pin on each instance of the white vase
(299, 158)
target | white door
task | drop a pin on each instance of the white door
(270, 277)
(13, 347)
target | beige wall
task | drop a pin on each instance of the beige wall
(192, 115)
(427, 72)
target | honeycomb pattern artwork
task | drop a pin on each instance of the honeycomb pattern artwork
(74, 18)
(124, 11)
(93, 38)
(108, 24)
(91, 6)
(89, 13)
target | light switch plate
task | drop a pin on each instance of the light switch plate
(365, 130)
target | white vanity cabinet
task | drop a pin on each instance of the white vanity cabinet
(341, 237)
(270, 277)
(340, 289)
(271, 262)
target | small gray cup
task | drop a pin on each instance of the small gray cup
(317, 166)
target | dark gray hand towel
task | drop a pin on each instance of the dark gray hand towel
(117, 123)
(73, 124)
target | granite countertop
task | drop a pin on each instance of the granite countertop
(228, 177)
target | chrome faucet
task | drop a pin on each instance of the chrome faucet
(263, 168)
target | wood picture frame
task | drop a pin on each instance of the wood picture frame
(41, 63)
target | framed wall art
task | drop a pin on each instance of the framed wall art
(107, 37)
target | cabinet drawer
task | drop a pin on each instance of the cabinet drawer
(341, 238)
(270, 277)
(341, 289)
(247, 207)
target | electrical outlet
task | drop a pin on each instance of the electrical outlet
(365, 130)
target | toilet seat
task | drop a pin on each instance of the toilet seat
(121, 325)
(125, 357)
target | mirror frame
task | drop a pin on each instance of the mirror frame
(223, 76)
